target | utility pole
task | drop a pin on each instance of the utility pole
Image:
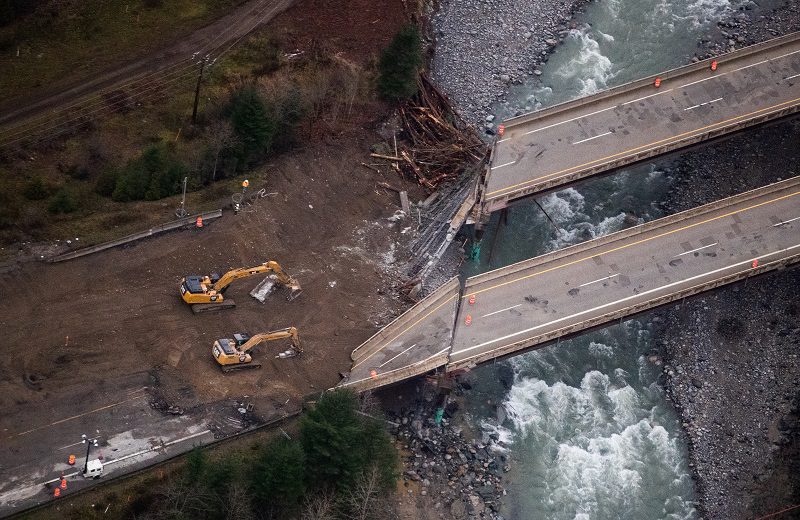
(197, 90)
(89, 442)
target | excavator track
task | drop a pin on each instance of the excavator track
(242, 366)
(197, 308)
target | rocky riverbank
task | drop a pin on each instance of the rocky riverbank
(483, 46)
(449, 471)
(731, 356)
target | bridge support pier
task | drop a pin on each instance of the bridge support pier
(500, 226)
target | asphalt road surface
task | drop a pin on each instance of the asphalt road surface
(557, 146)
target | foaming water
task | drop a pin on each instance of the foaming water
(586, 425)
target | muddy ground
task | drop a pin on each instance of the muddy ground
(93, 329)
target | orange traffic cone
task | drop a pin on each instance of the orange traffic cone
(755, 263)
(501, 129)
(199, 221)
(373, 374)
(714, 65)
(657, 82)
(63, 483)
(57, 493)
(71, 460)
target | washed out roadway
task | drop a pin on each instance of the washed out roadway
(561, 293)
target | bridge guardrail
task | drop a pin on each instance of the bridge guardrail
(380, 338)
(208, 215)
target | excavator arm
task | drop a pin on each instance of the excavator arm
(289, 332)
(266, 267)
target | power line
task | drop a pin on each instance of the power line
(184, 72)
(98, 96)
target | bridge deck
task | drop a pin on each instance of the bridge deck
(573, 289)
(556, 146)
(605, 279)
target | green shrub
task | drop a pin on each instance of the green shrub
(277, 479)
(154, 175)
(79, 173)
(62, 202)
(399, 65)
(6, 11)
(106, 182)
(289, 114)
(253, 123)
(341, 445)
(36, 189)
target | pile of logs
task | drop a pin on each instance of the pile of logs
(436, 144)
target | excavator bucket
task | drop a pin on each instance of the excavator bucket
(294, 292)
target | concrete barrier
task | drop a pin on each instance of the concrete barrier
(361, 380)
(402, 322)
(208, 215)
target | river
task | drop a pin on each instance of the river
(588, 428)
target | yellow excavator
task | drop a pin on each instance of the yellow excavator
(233, 354)
(204, 293)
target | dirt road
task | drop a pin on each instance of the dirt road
(95, 329)
(168, 64)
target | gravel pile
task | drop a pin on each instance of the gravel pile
(455, 476)
(731, 371)
(483, 46)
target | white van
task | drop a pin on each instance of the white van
(94, 469)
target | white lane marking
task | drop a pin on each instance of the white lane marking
(651, 95)
(506, 164)
(567, 121)
(703, 104)
(719, 75)
(70, 445)
(398, 355)
(702, 80)
(791, 77)
(784, 55)
(590, 138)
(621, 300)
(503, 140)
(152, 448)
(695, 250)
(786, 221)
(68, 475)
(156, 447)
(599, 280)
(751, 65)
(192, 436)
(501, 310)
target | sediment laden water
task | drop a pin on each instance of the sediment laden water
(587, 425)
